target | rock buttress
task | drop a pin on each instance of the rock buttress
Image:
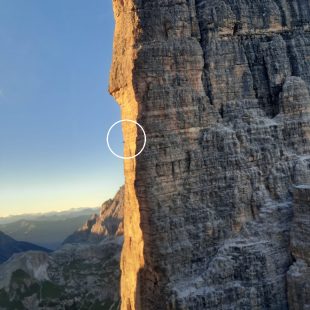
(122, 88)
(222, 91)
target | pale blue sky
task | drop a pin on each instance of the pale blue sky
(55, 110)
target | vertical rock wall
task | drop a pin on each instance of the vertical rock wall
(122, 88)
(222, 91)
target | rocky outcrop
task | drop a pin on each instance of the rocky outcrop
(108, 223)
(222, 90)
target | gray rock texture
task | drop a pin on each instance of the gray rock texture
(298, 276)
(222, 91)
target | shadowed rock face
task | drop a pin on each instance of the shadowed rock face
(298, 276)
(222, 90)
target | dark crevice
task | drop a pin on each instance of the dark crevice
(221, 111)
(251, 68)
(237, 28)
(205, 76)
(283, 16)
(292, 58)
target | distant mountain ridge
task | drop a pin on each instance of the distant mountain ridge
(46, 233)
(10, 246)
(108, 223)
(49, 216)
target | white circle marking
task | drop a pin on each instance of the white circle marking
(121, 121)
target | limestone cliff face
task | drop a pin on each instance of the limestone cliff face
(122, 87)
(222, 91)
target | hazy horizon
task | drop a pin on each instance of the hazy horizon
(50, 212)
(55, 109)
